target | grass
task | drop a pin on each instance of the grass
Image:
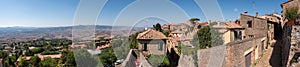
(156, 60)
(188, 50)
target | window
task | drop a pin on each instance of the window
(159, 46)
(236, 37)
(262, 45)
(251, 36)
(144, 47)
(269, 25)
(249, 23)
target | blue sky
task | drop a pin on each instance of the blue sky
(53, 13)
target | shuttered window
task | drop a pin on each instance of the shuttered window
(144, 47)
(159, 46)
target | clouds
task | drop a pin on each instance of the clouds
(235, 10)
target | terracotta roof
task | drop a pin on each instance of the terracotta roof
(51, 56)
(233, 25)
(253, 16)
(42, 57)
(31, 48)
(176, 31)
(151, 34)
(102, 47)
(26, 58)
(204, 24)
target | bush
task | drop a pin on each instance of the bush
(48, 62)
(165, 63)
(158, 60)
(29, 53)
(37, 50)
(49, 52)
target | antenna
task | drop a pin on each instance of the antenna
(253, 6)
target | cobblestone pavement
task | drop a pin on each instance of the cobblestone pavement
(263, 61)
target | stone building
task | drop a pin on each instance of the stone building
(240, 53)
(273, 21)
(152, 42)
(252, 33)
(230, 31)
(244, 53)
(254, 25)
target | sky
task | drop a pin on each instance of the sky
(54, 13)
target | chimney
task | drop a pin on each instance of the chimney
(246, 12)
(256, 14)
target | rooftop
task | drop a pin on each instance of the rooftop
(151, 34)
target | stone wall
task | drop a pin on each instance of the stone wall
(237, 50)
(152, 46)
(186, 61)
(211, 57)
(295, 39)
(130, 59)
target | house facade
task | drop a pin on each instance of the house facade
(230, 31)
(254, 25)
(152, 42)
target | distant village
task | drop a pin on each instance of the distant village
(261, 40)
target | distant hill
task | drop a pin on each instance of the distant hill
(24, 33)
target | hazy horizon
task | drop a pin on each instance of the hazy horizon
(59, 13)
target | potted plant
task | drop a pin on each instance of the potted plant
(291, 15)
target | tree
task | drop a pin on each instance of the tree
(194, 20)
(3, 54)
(22, 62)
(35, 60)
(70, 59)
(133, 41)
(85, 59)
(101, 38)
(166, 33)
(291, 14)
(207, 37)
(157, 27)
(179, 47)
(217, 38)
(48, 62)
(202, 38)
(165, 63)
(213, 23)
(48, 47)
(29, 53)
(9, 61)
(37, 50)
(121, 48)
(108, 57)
